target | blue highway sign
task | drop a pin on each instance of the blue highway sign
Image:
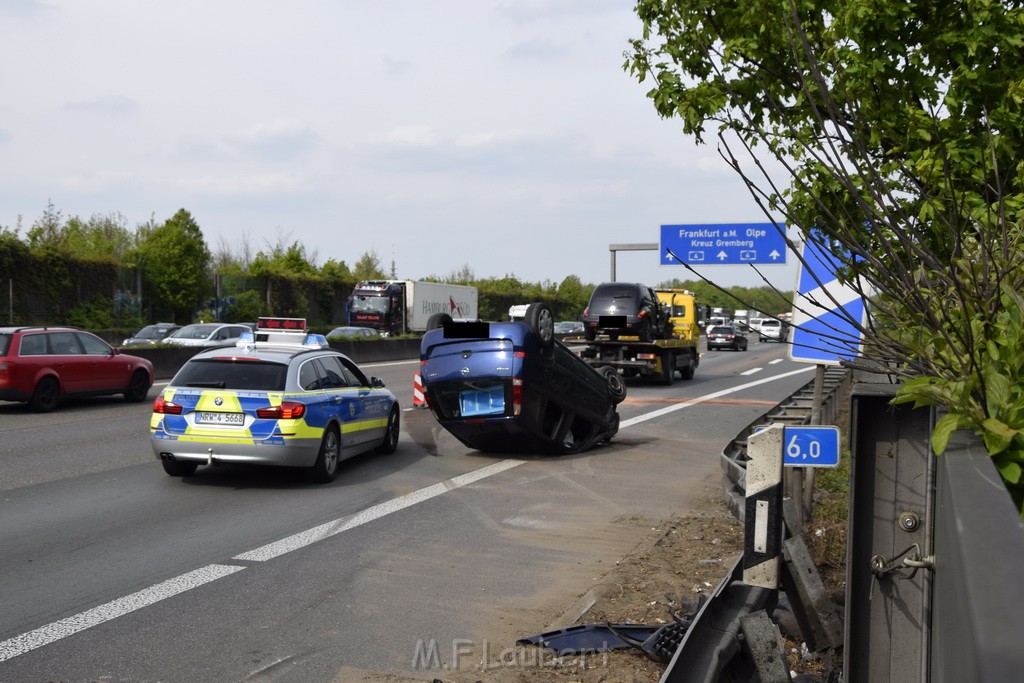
(824, 311)
(708, 244)
(815, 446)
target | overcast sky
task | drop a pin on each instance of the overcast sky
(499, 134)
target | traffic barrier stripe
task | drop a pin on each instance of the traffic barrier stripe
(418, 400)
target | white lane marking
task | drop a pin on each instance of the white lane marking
(319, 533)
(777, 360)
(751, 371)
(50, 633)
(58, 630)
(707, 397)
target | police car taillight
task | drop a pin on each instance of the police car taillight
(164, 407)
(288, 410)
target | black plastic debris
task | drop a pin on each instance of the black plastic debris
(657, 641)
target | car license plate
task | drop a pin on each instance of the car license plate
(205, 418)
(477, 402)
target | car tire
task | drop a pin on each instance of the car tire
(616, 387)
(761, 339)
(45, 396)
(542, 324)
(390, 443)
(179, 468)
(644, 330)
(438, 320)
(589, 333)
(326, 466)
(138, 387)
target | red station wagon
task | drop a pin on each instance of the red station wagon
(43, 365)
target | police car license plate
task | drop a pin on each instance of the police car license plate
(205, 418)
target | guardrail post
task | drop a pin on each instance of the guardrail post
(762, 536)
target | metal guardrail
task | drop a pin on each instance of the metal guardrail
(795, 410)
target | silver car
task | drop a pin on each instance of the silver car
(207, 334)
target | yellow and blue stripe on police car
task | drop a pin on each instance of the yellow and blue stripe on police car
(354, 411)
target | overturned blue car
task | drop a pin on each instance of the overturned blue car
(512, 387)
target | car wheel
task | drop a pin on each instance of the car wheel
(644, 331)
(390, 442)
(616, 387)
(761, 339)
(326, 465)
(177, 468)
(438, 320)
(138, 387)
(542, 323)
(45, 396)
(589, 333)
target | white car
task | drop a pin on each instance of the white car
(772, 330)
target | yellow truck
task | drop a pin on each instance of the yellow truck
(682, 307)
(659, 359)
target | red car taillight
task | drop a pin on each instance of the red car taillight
(286, 411)
(517, 395)
(165, 407)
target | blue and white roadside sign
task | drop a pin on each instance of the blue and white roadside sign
(710, 244)
(824, 312)
(809, 445)
(805, 446)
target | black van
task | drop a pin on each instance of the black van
(627, 309)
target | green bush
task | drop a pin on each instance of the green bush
(247, 307)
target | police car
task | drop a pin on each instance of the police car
(279, 397)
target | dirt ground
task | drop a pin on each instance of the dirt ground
(676, 562)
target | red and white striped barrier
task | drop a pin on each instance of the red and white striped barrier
(418, 400)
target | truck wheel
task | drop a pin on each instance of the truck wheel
(542, 323)
(686, 372)
(668, 368)
(438, 320)
(616, 387)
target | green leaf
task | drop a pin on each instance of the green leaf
(944, 428)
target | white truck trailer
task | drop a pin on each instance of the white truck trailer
(402, 306)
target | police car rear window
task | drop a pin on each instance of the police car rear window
(245, 375)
